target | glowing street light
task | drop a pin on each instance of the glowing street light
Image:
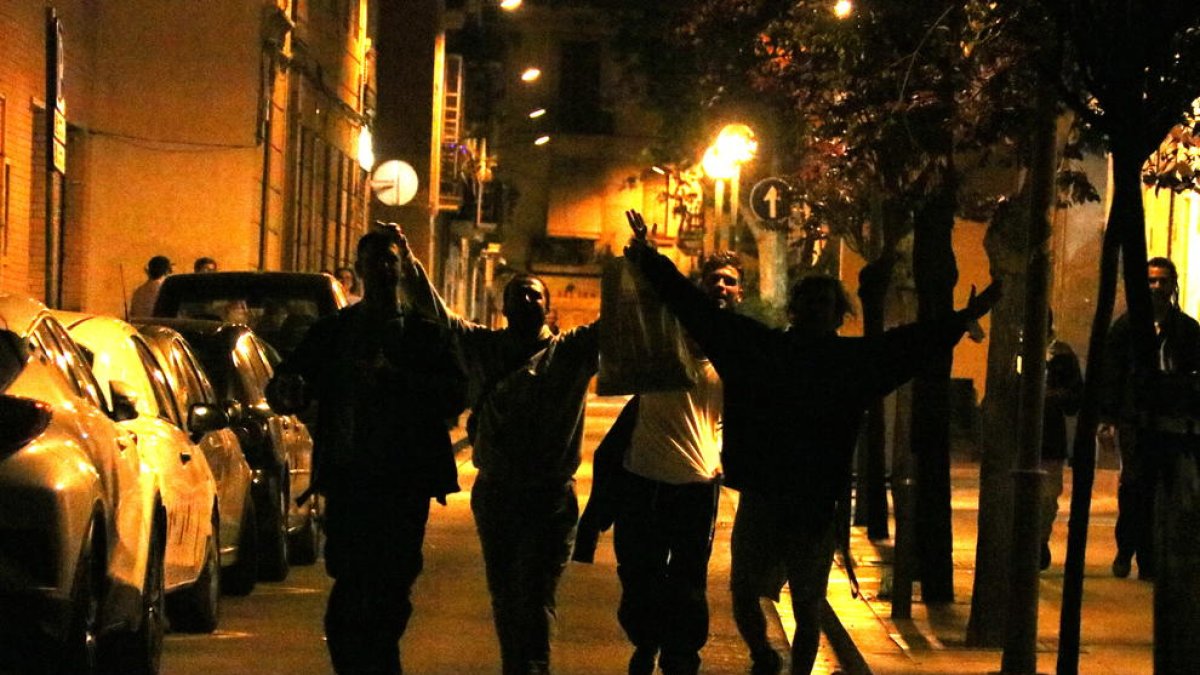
(843, 9)
(541, 140)
(534, 114)
(510, 5)
(723, 161)
(531, 74)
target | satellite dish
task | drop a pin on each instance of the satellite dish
(394, 182)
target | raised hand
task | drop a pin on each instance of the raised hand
(639, 244)
(978, 305)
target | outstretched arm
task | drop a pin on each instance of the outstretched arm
(424, 298)
(718, 332)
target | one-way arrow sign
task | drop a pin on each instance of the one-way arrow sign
(771, 199)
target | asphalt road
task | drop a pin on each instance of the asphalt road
(277, 629)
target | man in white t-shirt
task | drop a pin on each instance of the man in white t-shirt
(663, 529)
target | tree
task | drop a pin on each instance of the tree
(1135, 96)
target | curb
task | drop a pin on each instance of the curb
(848, 653)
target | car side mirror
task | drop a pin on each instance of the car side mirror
(234, 411)
(124, 401)
(205, 417)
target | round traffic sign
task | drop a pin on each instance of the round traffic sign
(394, 182)
(771, 199)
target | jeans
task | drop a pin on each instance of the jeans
(526, 533)
(773, 540)
(663, 538)
(373, 552)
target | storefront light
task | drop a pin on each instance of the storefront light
(366, 149)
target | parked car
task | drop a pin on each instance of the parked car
(279, 447)
(82, 530)
(279, 306)
(189, 493)
(190, 385)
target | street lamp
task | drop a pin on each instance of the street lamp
(510, 5)
(531, 74)
(734, 146)
(843, 8)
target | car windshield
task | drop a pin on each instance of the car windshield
(280, 310)
(12, 358)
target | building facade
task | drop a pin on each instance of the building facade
(227, 129)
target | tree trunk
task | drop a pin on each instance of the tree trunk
(1020, 645)
(935, 274)
(1005, 243)
(874, 281)
(1126, 215)
(871, 508)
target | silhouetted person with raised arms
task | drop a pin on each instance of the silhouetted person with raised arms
(527, 396)
(793, 402)
(386, 382)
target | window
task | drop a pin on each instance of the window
(158, 383)
(80, 367)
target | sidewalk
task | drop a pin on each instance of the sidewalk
(1117, 627)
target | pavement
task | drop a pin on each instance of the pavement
(1117, 627)
(278, 628)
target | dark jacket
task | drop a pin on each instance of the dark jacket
(793, 403)
(608, 470)
(527, 397)
(386, 423)
(1178, 349)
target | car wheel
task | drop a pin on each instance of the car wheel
(140, 652)
(272, 539)
(240, 577)
(82, 647)
(196, 609)
(304, 547)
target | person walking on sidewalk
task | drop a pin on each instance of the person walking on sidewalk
(665, 504)
(145, 295)
(792, 405)
(1178, 352)
(527, 396)
(386, 382)
(1064, 393)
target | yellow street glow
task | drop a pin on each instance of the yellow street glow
(531, 74)
(735, 146)
(533, 115)
(843, 9)
(509, 5)
(541, 140)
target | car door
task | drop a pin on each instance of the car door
(186, 479)
(297, 442)
(221, 447)
(114, 451)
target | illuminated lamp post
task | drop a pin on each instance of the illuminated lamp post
(735, 145)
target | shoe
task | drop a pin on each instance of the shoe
(642, 661)
(1045, 565)
(1121, 566)
(766, 662)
